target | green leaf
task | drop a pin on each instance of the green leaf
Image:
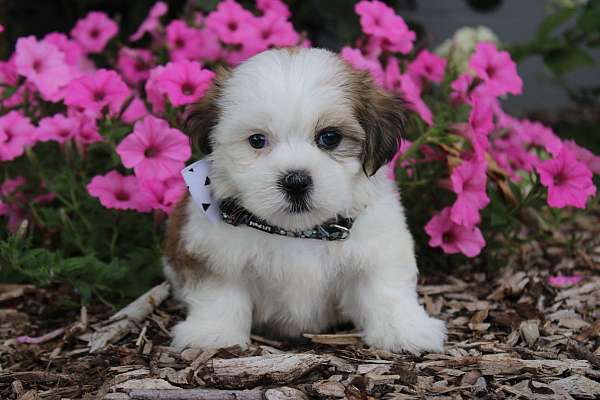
(566, 59)
(553, 21)
(207, 5)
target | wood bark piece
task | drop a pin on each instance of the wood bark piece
(284, 393)
(335, 339)
(278, 369)
(35, 377)
(579, 386)
(497, 364)
(194, 394)
(124, 321)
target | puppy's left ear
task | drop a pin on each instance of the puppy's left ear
(204, 115)
(382, 117)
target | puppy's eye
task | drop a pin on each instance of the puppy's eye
(328, 138)
(258, 140)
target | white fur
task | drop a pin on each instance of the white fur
(287, 286)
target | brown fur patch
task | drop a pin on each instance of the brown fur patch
(205, 115)
(190, 268)
(380, 114)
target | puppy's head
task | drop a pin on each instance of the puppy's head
(290, 132)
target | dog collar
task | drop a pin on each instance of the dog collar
(197, 179)
(337, 228)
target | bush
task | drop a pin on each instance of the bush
(91, 143)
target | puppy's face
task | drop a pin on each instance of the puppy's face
(291, 131)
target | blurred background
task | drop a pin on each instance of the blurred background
(555, 41)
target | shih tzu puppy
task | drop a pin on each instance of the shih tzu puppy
(311, 232)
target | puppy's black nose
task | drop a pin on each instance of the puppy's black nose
(296, 182)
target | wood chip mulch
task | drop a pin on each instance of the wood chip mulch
(511, 334)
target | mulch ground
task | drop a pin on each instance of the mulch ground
(511, 335)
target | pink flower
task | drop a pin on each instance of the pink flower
(94, 31)
(584, 156)
(93, 92)
(461, 87)
(469, 183)
(152, 21)
(184, 82)
(497, 70)
(183, 41)
(74, 55)
(230, 21)
(403, 146)
(427, 66)
(569, 182)
(275, 31)
(86, 131)
(454, 238)
(361, 63)
(412, 95)
(560, 281)
(163, 195)
(11, 201)
(539, 135)
(136, 110)
(135, 64)
(16, 134)
(117, 191)
(380, 21)
(153, 93)
(154, 150)
(42, 64)
(57, 128)
(274, 6)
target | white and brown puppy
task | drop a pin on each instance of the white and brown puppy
(297, 137)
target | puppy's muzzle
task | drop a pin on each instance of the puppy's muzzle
(297, 185)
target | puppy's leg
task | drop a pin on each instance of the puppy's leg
(219, 315)
(384, 304)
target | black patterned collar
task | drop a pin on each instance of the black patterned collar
(337, 228)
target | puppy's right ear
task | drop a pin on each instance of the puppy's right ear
(205, 114)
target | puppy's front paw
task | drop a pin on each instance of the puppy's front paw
(414, 335)
(191, 333)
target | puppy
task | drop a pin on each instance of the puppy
(297, 140)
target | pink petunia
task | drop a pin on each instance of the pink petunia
(58, 128)
(16, 134)
(135, 111)
(154, 150)
(427, 67)
(469, 183)
(497, 70)
(44, 65)
(561, 281)
(11, 201)
(536, 133)
(155, 96)
(361, 63)
(119, 192)
(273, 6)
(94, 31)
(584, 156)
(569, 182)
(275, 31)
(453, 238)
(403, 146)
(412, 95)
(86, 131)
(135, 64)
(163, 195)
(74, 54)
(461, 88)
(92, 92)
(380, 21)
(152, 21)
(183, 41)
(231, 22)
(184, 82)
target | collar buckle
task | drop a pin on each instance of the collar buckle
(335, 232)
